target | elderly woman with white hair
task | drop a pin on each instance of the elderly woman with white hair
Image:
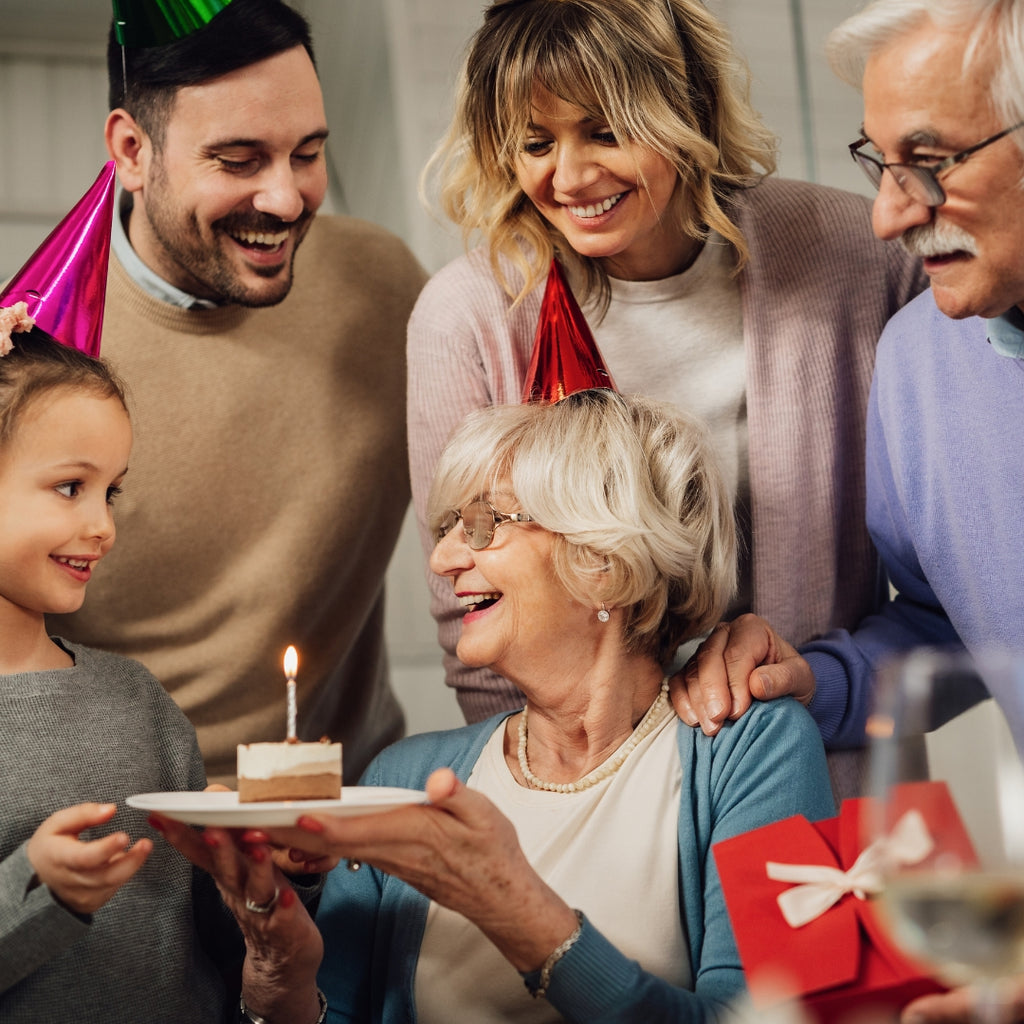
(568, 844)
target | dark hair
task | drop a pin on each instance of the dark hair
(38, 364)
(243, 33)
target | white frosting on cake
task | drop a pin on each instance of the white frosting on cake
(267, 760)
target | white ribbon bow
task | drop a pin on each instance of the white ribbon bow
(822, 886)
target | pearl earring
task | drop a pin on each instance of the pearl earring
(603, 615)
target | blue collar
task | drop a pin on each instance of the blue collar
(1006, 333)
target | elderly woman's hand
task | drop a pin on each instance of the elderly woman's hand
(741, 660)
(460, 851)
(283, 945)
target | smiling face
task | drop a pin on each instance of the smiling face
(58, 475)
(920, 106)
(610, 200)
(226, 201)
(519, 620)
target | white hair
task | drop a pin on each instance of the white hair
(990, 23)
(630, 488)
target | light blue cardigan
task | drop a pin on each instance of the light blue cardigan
(766, 766)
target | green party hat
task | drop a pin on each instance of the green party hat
(139, 23)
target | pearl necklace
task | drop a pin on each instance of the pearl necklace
(651, 720)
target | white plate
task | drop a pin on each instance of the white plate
(224, 810)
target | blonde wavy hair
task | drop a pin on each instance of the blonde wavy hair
(661, 73)
(630, 488)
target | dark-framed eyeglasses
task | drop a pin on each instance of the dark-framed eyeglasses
(920, 181)
(479, 521)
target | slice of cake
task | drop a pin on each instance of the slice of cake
(289, 771)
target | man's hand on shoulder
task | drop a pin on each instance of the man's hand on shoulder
(740, 661)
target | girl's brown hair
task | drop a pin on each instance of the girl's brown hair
(38, 364)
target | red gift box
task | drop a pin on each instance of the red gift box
(842, 962)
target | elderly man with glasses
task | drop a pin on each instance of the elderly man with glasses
(943, 89)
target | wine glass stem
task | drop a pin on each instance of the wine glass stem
(989, 1003)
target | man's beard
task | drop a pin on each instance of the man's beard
(213, 274)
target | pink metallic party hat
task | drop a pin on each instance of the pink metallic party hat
(139, 23)
(64, 282)
(565, 356)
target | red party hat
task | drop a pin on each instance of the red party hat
(565, 356)
(64, 282)
(139, 23)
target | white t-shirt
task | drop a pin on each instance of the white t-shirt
(611, 851)
(680, 340)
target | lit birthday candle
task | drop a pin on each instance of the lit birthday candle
(291, 667)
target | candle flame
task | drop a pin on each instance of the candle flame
(291, 662)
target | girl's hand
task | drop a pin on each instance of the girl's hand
(84, 875)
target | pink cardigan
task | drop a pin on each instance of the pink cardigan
(815, 295)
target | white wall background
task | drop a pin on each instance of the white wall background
(388, 67)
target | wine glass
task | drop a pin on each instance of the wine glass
(948, 815)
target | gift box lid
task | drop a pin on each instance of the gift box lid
(847, 945)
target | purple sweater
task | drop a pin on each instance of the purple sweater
(945, 507)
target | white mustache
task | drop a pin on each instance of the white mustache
(937, 239)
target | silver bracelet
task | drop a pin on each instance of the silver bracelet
(559, 951)
(248, 1017)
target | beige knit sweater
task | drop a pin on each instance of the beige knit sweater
(267, 486)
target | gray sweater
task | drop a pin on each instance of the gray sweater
(101, 731)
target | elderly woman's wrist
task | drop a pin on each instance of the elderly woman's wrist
(537, 981)
(282, 993)
(310, 1006)
(540, 922)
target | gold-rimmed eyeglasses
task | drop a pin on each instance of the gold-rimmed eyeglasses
(479, 521)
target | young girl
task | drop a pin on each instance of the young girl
(92, 926)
